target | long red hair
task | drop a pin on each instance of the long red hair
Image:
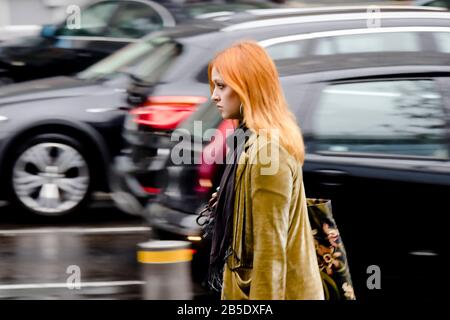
(251, 73)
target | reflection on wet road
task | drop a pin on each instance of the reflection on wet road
(44, 259)
(40, 262)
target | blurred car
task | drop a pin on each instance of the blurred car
(14, 31)
(104, 27)
(434, 3)
(57, 135)
(316, 33)
(376, 130)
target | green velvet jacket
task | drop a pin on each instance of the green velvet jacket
(273, 248)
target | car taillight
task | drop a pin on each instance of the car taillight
(166, 112)
(151, 190)
(211, 156)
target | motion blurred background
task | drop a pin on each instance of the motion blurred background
(25, 17)
(87, 115)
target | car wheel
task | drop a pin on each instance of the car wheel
(50, 176)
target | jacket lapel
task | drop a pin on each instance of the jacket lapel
(244, 158)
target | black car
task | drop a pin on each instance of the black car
(102, 28)
(78, 119)
(377, 144)
(315, 33)
(434, 3)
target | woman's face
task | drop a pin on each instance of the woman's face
(225, 98)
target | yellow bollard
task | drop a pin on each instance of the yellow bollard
(166, 269)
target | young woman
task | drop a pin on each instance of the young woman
(262, 243)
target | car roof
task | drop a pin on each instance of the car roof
(311, 21)
(263, 14)
(349, 66)
(274, 21)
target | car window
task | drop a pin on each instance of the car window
(153, 67)
(442, 40)
(376, 42)
(93, 20)
(135, 20)
(397, 117)
(123, 59)
(438, 3)
(288, 50)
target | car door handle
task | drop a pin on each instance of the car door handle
(84, 54)
(330, 177)
(424, 253)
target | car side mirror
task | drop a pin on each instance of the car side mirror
(48, 31)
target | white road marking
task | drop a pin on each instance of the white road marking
(32, 231)
(65, 285)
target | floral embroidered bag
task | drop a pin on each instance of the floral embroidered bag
(331, 255)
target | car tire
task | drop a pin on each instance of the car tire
(50, 175)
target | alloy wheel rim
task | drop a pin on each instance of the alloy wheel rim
(50, 178)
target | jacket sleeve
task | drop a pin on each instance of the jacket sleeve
(271, 196)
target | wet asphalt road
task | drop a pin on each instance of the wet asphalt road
(41, 259)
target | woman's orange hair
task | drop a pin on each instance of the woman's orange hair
(250, 72)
